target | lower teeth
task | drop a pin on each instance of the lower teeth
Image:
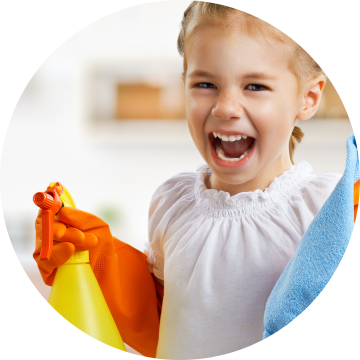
(220, 153)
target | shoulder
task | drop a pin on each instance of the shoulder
(307, 196)
(175, 185)
(326, 180)
(173, 189)
(170, 201)
(319, 188)
(172, 197)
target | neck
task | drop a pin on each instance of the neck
(261, 182)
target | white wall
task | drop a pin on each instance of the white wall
(118, 166)
(48, 139)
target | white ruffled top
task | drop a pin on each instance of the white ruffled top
(221, 255)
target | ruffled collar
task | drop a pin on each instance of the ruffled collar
(211, 200)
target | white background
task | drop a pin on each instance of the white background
(64, 120)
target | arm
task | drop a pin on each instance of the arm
(160, 281)
(133, 297)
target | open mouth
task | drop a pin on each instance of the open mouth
(231, 148)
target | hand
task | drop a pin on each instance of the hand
(67, 240)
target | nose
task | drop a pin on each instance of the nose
(228, 107)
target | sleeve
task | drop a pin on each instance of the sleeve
(155, 258)
(305, 203)
(162, 212)
(327, 182)
(317, 191)
(155, 262)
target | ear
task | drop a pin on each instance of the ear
(183, 77)
(311, 98)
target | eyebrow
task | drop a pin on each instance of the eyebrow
(253, 75)
(198, 73)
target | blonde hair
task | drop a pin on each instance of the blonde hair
(301, 64)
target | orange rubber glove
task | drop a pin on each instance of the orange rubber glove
(132, 295)
(66, 242)
(356, 197)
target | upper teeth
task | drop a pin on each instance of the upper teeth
(229, 138)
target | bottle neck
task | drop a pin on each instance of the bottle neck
(79, 257)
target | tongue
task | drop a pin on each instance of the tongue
(236, 148)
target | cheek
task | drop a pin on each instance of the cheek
(197, 111)
(274, 129)
(197, 135)
(196, 106)
(274, 141)
(195, 97)
(191, 131)
(196, 119)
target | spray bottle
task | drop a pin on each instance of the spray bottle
(75, 293)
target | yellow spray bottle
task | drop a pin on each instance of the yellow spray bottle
(75, 293)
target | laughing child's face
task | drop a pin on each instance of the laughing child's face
(241, 104)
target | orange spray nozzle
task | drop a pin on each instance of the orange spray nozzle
(49, 202)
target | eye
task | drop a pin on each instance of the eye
(256, 87)
(205, 85)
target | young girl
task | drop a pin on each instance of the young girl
(219, 238)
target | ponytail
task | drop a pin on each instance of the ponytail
(295, 138)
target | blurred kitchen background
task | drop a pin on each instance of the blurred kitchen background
(105, 116)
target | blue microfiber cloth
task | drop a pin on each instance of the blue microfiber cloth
(319, 252)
